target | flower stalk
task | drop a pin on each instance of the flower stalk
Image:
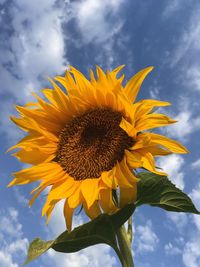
(124, 243)
(130, 230)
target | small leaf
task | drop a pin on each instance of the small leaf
(100, 230)
(159, 191)
(37, 248)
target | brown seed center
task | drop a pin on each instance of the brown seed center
(91, 143)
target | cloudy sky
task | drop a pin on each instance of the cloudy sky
(40, 39)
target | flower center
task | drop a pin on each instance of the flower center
(91, 143)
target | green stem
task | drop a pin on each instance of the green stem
(125, 247)
(130, 230)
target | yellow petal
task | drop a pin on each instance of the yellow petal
(63, 189)
(125, 107)
(33, 156)
(142, 140)
(92, 77)
(32, 200)
(151, 121)
(145, 106)
(68, 214)
(110, 100)
(128, 128)
(60, 190)
(133, 160)
(24, 141)
(36, 141)
(50, 209)
(133, 86)
(109, 178)
(170, 144)
(27, 124)
(100, 73)
(76, 198)
(125, 176)
(128, 195)
(106, 201)
(100, 97)
(90, 190)
(44, 184)
(38, 172)
(112, 78)
(148, 161)
(93, 211)
(61, 98)
(121, 177)
(102, 81)
(41, 120)
(155, 150)
(145, 143)
(80, 79)
(117, 88)
(117, 70)
(70, 82)
(31, 104)
(52, 111)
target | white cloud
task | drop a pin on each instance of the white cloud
(195, 195)
(191, 253)
(93, 21)
(21, 199)
(145, 239)
(2, 2)
(193, 77)
(196, 164)
(189, 41)
(172, 165)
(96, 256)
(179, 219)
(170, 249)
(188, 225)
(9, 224)
(34, 50)
(188, 245)
(172, 7)
(154, 92)
(99, 23)
(37, 45)
(186, 51)
(6, 260)
(196, 220)
(186, 125)
(13, 244)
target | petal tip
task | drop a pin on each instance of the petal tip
(11, 184)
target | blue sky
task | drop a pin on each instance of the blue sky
(40, 39)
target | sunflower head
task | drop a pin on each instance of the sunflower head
(87, 141)
(92, 143)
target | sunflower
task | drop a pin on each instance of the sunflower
(86, 141)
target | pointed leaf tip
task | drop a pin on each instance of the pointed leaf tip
(159, 191)
(37, 248)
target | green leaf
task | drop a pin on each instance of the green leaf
(120, 217)
(37, 248)
(100, 230)
(159, 191)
